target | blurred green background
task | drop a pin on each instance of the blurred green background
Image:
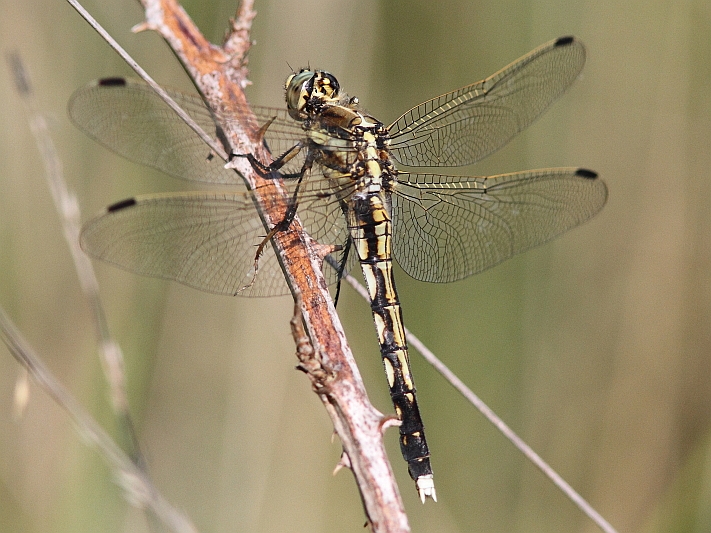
(595, 347)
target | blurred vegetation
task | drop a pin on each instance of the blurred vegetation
(595, 348)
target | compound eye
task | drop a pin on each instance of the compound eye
(326, 85)
(299, 88)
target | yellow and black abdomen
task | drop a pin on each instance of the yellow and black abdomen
(371, 231)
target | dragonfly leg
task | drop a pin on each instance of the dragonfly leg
(271, 171)
(264, 171)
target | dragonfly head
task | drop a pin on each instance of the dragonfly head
(307, 90)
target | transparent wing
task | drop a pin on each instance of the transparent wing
(450, 227)
(128, 117)
(463, 126)
(204, 240)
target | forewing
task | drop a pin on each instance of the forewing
(129, 118)
(204, 240)
(463, 126)
(449, 227)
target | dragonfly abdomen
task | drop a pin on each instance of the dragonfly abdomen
(371, 230)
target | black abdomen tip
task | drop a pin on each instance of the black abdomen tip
(565, 41)
(123, 204)
(112, 82)
(585, 173)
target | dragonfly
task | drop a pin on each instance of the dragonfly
(339, 168)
